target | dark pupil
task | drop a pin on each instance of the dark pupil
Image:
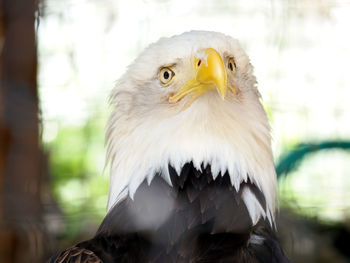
(230, 66)
(166, 75)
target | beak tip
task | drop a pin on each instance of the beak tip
(222, 93)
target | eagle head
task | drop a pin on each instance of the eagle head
(190, 98)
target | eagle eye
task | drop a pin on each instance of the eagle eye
(166, 75)
(231, 64)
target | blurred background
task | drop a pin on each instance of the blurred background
(60, 59)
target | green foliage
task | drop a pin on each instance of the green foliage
(313, 180)
(76, 166)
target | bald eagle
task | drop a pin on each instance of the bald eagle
(192, 177)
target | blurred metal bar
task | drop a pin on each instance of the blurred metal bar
(21, 224)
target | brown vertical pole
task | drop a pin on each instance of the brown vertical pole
(21, 230)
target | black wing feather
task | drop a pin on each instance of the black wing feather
(206, 221)
(75, 255)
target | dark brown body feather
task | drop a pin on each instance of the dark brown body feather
(196, 220)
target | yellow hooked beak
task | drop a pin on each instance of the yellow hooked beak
(210, 76)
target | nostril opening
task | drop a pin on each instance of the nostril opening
(199, 63)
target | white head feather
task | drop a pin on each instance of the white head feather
(145, 132)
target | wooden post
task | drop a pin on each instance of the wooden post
(21, 224)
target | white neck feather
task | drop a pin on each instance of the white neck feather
(230, 136)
